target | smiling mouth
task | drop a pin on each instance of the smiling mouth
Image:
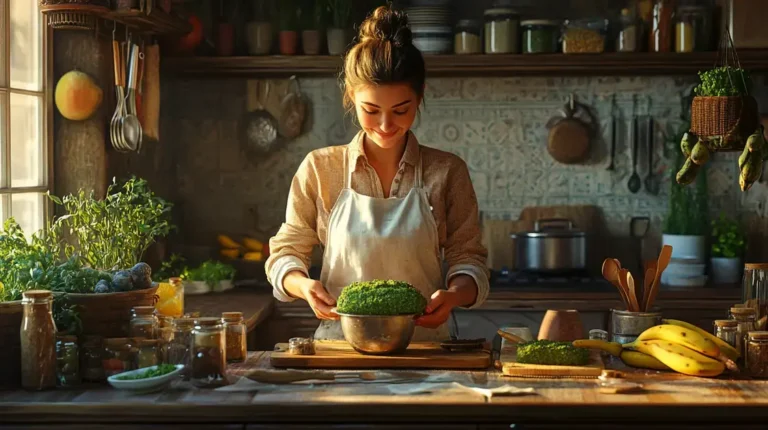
(386, 135)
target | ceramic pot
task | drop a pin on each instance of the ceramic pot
(311, 41)
(225, 40)
(259, 37)
(725, 270)
(289, 42)
(561, 325)
(338, 40)
(693, 248)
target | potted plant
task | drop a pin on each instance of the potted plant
(728, 245)
(258, 31)
(209, 276)
(313, 18)
(289, 36)
(339, 32)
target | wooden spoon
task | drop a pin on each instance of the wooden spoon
(632, 288)
(624, 278)
(664, 256)
(650, 275)
(611, 274)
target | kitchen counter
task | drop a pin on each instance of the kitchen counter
(669, 398)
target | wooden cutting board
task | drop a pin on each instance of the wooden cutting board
(510, 367)
(340, 355)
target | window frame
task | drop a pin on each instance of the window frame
(46, 112)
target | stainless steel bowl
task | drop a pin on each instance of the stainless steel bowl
(378, 334)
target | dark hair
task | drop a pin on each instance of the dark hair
(384, 54)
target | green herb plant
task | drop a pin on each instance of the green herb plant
(728, 238)
(211, 272)
(379, 297)
(172, 267)
(160, 370)
(551, 353)
(724, 82)
(340, 12)
(23, 262)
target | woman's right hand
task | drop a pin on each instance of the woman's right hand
(314, 293)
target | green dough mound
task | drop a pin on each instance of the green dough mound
(552, 353)
(380, 297)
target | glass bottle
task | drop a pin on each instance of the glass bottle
(745, 320)
(91, 367)
(756, 358)
(143, 322)
(68, 359)
(727, 331)
(236, 336)
(468, 37)
(148, 353)
(118, 357)
(629, 32)
(540, 36)
(181, 344)
(754, 291)
(38, 341)
(209, 360)
(171, 298)
(660, 37)
(501, 31)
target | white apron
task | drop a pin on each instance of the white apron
(382, 238)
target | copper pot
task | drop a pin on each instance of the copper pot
(561, 325)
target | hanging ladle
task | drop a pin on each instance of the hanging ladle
(635, 182)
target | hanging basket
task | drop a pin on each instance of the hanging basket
(734, 118)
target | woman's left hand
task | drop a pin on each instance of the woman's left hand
(438, 309)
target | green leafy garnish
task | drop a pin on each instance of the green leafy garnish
(211, 272)
(160, 370)
(552, 353)
(728, 238)
(724, 82)
(380, 297)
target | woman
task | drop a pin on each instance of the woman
(383, 207)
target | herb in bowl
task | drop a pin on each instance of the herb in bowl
(723, 82)
(160, 370)
(211, 272)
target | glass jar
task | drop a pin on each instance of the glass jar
(468, 37)
(209, 360)
(693, 29)
(501, 31)
(143, 322)
(91, 368)
(599, 334)
(660, 36)
(745, 320)
(38, 341)
(181, 344)
(629, 32)
(164, 336)
(148, 354)
(540, 36)
(754, 291)
(585, 36)
(170, 300)
(68, 359)
(236, 334)
(727, 331)
(756, 359)
(118, 356)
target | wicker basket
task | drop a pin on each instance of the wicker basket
(11, 314)
(107, 315)
(725, 116)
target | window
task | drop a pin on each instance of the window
(24, 143)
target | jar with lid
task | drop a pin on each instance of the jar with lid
(501, 31)
(148, 354)
(540, 36)
(584, 36)
(38, 341)
(599, 334)
(68, 359)
(468, 37)
(171, 298)
(236, 336)
(726, 330)
(164, 336)
(629, 32)
(118, 356)
(756, 361)
(209, 361)
(179, 350)
(91, 367)
(693, 29)
(754, 291)
(143, 322)
(745, 320)
(660, 35)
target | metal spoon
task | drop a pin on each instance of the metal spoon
(635, 182)
(614, 124)
(130, 123)
(651, 181)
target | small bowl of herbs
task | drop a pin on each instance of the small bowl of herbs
(147, 379)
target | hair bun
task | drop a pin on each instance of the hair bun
(386, 24)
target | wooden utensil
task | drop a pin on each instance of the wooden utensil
(611, 274)
(664, 256)
(570, 136)
(650, 275)
(632, 287)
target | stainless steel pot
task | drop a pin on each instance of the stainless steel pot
(554, 246)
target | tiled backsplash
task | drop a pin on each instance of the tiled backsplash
(497, 125)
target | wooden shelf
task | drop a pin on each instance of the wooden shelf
(157, 22)
(456, 65)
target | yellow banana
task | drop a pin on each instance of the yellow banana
(253, 244)
(252, 256)
(230, 253)
(643, 361)
(226, 242)
(613, 348)
(682, 335)
(724, 346)
(679, 358)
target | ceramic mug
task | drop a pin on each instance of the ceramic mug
(561, 325)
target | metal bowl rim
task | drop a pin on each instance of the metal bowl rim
(376, 316)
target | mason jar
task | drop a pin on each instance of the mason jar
(501, 31)
(209, 360)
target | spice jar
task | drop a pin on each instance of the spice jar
(170, 298)
(90, 359)
(726, 330)
(38, 341)
(629, 32)
(68, 360)
(757, 354)
(164, 336)
(118, 357)
(181, 344)
(209, 361)
(585, 36)
(754, 291)
(148, 354)
(468, 37)
(693, 29)
(143, 322)
(301, 346)
(501, 31)
(236, 335)
(745, 320)
(599, 334)
(540, 36)
(660, 36)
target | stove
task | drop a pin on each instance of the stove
(581, 281)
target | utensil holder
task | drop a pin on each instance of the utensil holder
(627, 326)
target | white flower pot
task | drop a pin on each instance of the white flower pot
(684, 247)
(725, 270)
(338, 39)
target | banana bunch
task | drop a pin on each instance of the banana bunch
(675, 345)
(696, 153)
(751, 159)
(250, 250)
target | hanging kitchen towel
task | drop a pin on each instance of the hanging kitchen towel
(150, 114)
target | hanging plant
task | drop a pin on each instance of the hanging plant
(724, 117)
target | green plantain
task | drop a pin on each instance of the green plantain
(750, 173)
(687, 142)
(688, 172)
(744, 157)
(700, 154)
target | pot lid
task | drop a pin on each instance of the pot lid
(554, 227)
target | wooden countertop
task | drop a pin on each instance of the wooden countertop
(256, 305)
(713, 403)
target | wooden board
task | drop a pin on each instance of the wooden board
(510, 367)
(340, 355)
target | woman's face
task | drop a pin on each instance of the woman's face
(386, 112)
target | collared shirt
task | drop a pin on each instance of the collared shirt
(321, 177)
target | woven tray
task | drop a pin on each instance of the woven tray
(511, 368)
